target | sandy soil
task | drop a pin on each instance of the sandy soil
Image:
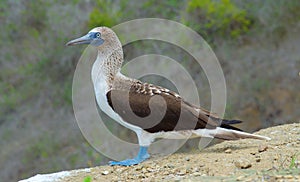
(242, 160)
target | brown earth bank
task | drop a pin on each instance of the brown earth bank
(241, 160)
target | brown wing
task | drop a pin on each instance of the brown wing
(157, 109)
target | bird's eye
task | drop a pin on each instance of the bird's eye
(97, 35)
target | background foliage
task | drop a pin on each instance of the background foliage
(257, 43)
(217, 18)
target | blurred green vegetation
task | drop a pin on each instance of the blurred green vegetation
(106, 13)
(165, 9)
(36, 69)
(87, 179)
(217, 18)
(293, 163)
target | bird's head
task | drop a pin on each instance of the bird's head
(98, 37)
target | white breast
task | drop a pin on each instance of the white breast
(101, 88)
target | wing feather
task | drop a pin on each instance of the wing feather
(157, 109)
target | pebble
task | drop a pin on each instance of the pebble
(166, 173)
(105, 172)
(182, 172)
(240, 178)
(257, 159)
(130, 177)
(119, 170)
(197, 174)
(288, 177)
(196, 169)
(144, 170)
(228, 151)
(170, 166)
(150, 169)
(262, 148)
(242, 164)
(139, 167)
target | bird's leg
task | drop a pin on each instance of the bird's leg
(142, 155)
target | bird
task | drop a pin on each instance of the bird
(151, 111)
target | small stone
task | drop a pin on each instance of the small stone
(242, 164)
(170, 166)
(253, 153)
(182, 172)
(138, 168)
(130, 177)
(165, 173)
(248, 179)
(149, 169)
(144, 170)
(189, 168)
(196, 169)
(206, 170)
(288, 177)
(119, 170)
(197, 174)
(228, 151)
(105, 172)
(257, 159)
(240, 178)
(262, 148)
(187, 159)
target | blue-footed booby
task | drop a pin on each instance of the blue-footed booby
(134, 105)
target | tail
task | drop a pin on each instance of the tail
(227, 123)
(230, 134)
(227, 132)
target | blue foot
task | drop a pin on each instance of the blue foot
(142, 155)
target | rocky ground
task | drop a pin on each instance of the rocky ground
(244, 160)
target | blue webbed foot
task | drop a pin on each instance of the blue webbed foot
(127, 162)
(142, 155)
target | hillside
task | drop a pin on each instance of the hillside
(244, 160)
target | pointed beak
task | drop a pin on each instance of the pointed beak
(82, 40)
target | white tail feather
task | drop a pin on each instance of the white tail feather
(227, 134)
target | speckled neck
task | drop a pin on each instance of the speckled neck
(107, 65)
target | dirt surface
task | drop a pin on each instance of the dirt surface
(242, 160)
